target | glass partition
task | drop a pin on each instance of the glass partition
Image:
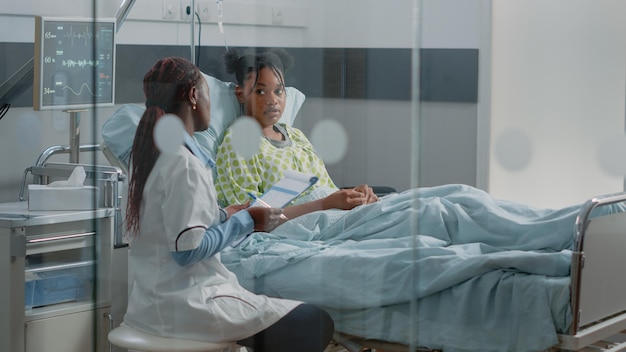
(451, 144)
(60, 209)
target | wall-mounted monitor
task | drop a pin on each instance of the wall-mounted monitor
(74, 63)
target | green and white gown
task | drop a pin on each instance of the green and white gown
(236, 176)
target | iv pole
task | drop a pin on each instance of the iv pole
(193, 31)
(74, 135)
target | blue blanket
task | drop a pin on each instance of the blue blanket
(445, 267)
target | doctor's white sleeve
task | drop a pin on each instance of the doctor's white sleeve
(217, 238)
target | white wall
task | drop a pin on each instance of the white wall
(558, 76)
(452, 23)
(362, 24)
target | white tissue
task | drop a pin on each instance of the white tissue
(76, 179)
(68, 194)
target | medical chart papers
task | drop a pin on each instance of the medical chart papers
(287, 189)
(281, 193)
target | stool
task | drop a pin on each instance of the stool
(133, 339)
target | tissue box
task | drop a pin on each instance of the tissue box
(42, 197)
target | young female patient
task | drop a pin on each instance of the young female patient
(178, 286)
(261, 91)
(421, 248)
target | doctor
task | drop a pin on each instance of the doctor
(179, 287)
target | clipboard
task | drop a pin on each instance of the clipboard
(283, 192)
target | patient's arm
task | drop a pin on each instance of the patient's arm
(345, 199)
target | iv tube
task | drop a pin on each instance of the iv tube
(220, 23)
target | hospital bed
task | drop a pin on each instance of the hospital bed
(594, 307)
(598, 288)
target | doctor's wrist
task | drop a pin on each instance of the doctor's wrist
(223, 215)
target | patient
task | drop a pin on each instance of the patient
(261, 92)
(260, 89)
(480, 269)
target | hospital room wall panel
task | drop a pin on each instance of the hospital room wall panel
(20, 52)
(361, 24)
(447, 155)
(377, 154)
(353, 73)
(382, 156)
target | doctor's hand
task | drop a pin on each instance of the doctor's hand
(265, 219)
(232, 209)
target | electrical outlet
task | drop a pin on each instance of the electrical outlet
(204, 10)
(170, 9)
(184, 4)
(278, 16)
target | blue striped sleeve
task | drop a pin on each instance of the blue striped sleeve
(217, 238)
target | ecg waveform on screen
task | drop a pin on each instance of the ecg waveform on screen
(80, 37)
(66, 89)
(80, 91)
(77, 63)
(80, 63)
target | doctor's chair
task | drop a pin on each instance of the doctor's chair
(134, 340)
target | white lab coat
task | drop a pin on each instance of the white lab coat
(201, 301)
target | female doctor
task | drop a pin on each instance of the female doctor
(179, 288)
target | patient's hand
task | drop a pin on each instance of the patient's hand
(349, 198)
(368, 192)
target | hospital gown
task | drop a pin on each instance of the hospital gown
(236, 176)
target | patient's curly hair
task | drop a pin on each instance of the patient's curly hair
(242, 64)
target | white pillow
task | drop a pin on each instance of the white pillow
(118, 131)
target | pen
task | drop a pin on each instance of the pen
(263, 203)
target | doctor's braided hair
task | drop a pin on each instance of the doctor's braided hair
(277, 60)
(166, 87)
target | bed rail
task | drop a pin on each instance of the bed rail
(612, 228)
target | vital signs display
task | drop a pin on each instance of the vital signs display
(74, 63)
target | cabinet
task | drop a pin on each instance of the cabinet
(59, 279)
